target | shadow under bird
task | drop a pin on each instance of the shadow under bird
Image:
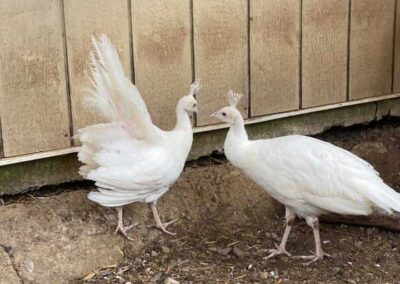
(129, 158)
(309, 176)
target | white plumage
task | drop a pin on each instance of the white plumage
(309, 176)
(129, 158)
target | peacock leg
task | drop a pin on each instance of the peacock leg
(120, 227)
(319, 253)
(160, 225)
(281, 249)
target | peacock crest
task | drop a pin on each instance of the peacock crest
(233, 98)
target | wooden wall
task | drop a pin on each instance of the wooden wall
(283, 55)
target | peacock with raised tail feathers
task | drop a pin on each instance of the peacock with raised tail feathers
(309, 176)
(129, 158)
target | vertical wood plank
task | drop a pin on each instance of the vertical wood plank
(162, 55)
(33, 99)
(1, 139)
(396, 75)
(275, 55)
(220, 50)
(84, 19)
(324, 52)
(371, 48)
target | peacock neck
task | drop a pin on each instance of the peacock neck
(237, 132)
(183, 121)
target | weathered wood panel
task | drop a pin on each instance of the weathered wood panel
(220, 50)
(33, 99)
(84, 19)
(162, 55)
(275, 55)
(324, 52)
(371, 48)
(396, 77)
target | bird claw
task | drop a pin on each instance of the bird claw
(313, 258)
(163, 227)
(277, 251)
(123, 230)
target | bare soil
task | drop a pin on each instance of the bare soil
(226, 224)
(224, 238)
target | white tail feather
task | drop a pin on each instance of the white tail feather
(113, 95)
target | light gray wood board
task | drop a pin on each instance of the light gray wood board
(274, 55)
(33, 98)
(371, 48)
(220, 51)
(396, 75)
(84, 19)
(162, 55)
(324, 52)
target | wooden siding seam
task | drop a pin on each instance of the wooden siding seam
(348, 52)
(301, 56)
(1, 141)
(248, 59)
(394, 43)
(131, 41)
(192, 55)
(67, 78)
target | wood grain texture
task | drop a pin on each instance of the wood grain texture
(324, 52)
(396, 77)
(33, 99)
(220, 50)
(275, 55)
(162, 55)
(371, 48)
(84, 19)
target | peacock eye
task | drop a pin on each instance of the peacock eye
(223, 114)
(194, 105)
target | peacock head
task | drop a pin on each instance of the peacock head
(230, 114)
(188, 102)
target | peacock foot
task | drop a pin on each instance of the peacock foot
(163, 227)
(123, 230)
(274, 252)
(313, 258)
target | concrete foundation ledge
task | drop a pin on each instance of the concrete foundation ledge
(18, 178)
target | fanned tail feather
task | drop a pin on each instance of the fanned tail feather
(113, 95)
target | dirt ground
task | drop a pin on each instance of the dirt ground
(226, 224)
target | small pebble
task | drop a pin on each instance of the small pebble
(170, 280)
(338, 270)
(284, 258)
(347, 273)
(156, 277)
(238, 252)
(264, 275)
(224, 251)
(153, 253)
(165, 250)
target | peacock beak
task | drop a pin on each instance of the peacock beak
(214, 114)
(195, 109)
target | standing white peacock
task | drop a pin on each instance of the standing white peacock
(129, 158)
(309, 176)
